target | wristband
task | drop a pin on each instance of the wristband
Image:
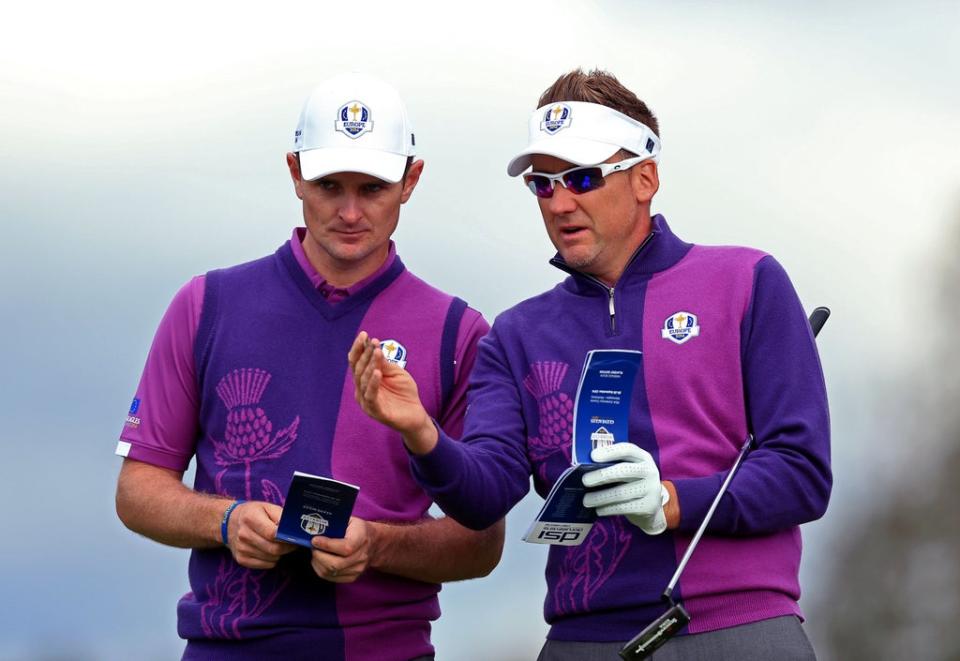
(226, 520)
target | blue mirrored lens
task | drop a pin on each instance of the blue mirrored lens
(539, 186)
(583, 180)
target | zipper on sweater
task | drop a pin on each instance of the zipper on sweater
(610, 292)
(613, 313)
(560, 264)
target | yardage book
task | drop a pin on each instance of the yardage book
(601, 415)
(315, 506)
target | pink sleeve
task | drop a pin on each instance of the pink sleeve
(161, 426)
(472, 328)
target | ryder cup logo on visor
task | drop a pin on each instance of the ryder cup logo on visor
(555, 118)
(313, 524)
(680, 327)
(394, 352)
(353, 119)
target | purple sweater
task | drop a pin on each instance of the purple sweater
(748, 364)
(275, 395)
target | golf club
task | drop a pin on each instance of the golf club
(658, 632)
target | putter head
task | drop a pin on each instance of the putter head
(656, 634)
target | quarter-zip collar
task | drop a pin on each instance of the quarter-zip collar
(660, 250)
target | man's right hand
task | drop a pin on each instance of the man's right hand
(387, 393)
(251, 532)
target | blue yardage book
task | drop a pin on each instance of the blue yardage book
(601, 412)
(316, 506)
(564, 520)
(600, 417)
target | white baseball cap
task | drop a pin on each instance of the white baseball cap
(583, 134)
(354, 123)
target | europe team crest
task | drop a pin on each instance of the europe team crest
(556, 117)
(394, 352)
(354, 119)
(680, 327)
(313, 524)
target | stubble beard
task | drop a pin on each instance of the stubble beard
(583, 260)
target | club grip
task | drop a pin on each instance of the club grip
(818, 318)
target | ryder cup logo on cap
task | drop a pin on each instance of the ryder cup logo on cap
(555, 118)
(680, 327)
(354, 119)
(394, 352)
(599, 133)
(336, 133)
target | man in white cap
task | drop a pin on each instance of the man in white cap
(248, 374)
(725, 353)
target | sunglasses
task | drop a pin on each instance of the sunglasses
(578, 180)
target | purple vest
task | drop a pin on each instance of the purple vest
(271, 356)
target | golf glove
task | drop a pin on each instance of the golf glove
(639, 495)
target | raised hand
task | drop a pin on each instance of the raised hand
(387, 393)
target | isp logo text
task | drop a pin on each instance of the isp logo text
(566, 537)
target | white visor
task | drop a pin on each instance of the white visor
(583, 134)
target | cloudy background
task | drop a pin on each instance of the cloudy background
(143, 146)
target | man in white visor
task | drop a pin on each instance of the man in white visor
(722, 351)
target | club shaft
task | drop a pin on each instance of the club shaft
(706, 519)
(817, 319)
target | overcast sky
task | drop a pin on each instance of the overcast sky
(141, 147)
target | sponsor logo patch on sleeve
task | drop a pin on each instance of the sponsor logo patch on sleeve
(132, 419)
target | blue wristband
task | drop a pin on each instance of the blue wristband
(226, 520)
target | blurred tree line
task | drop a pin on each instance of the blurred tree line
(895, 588)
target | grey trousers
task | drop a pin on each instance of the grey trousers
(779, 639)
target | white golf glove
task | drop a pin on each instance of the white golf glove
(639, 494)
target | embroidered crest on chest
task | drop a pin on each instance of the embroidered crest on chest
(680, 327)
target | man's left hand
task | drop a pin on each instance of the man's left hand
(343, 560)
(639, 495)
